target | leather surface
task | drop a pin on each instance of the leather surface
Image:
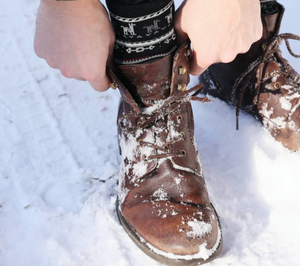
(275, 98)
(163, 198)
(225, 75)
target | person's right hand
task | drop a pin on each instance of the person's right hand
(218, 29)
(77, 38)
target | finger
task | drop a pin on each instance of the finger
(67, 73)
(233, 46)
(101, 84)
(110, 60)
(196, 67)
(82, 79)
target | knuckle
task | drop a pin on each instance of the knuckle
(66, 73)
(204, 62)
(94, 75)
(228, 57)
(245, 48)
(37, 49)
(51, 64)
(259, 33)
(99, 87)
(90, 76)
(100, 84)
(202, 66)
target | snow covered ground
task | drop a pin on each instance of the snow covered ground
(59, 167)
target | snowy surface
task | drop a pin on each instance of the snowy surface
(59, 167)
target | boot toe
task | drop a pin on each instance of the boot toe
(290, 139)
(174, 229)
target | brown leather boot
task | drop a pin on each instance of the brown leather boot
(262, 83)
(163, 203)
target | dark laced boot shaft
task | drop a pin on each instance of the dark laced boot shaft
(163, 202)
(262, 82)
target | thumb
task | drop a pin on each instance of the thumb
(182, 37)
(101, 83)
(196, 68)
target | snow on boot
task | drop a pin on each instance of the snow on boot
(262, 82)
(163, 203)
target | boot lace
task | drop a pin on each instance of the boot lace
(271, 49)
(145, 120)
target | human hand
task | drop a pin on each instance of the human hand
(218, 29)
(77, 38)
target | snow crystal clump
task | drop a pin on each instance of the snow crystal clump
(199, 229)
(292, 125)
(285, 103)
(204, 253)
(265, 112)
(160, 194)
(151, 109)
(131, 150)
(177, 180)
(279, 121)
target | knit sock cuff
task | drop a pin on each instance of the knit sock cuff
(143, 31)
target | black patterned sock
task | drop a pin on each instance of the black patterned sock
(144, 29)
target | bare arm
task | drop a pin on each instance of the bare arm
(218, 29)
(77, 38)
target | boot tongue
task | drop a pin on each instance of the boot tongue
(149, 82)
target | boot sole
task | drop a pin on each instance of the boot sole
(160, 258)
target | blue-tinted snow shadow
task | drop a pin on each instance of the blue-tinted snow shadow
(229, 169)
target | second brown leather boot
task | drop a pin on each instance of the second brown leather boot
(163, 203)
(262, 82)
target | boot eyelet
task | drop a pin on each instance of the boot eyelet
(181, 87)
(139, 123)
(179, 118)
(183, 153)
(144, 158)
(113, 85)
(123, 123)
(182, 70)
(140, 141)
(277, 85)
(182, 135)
